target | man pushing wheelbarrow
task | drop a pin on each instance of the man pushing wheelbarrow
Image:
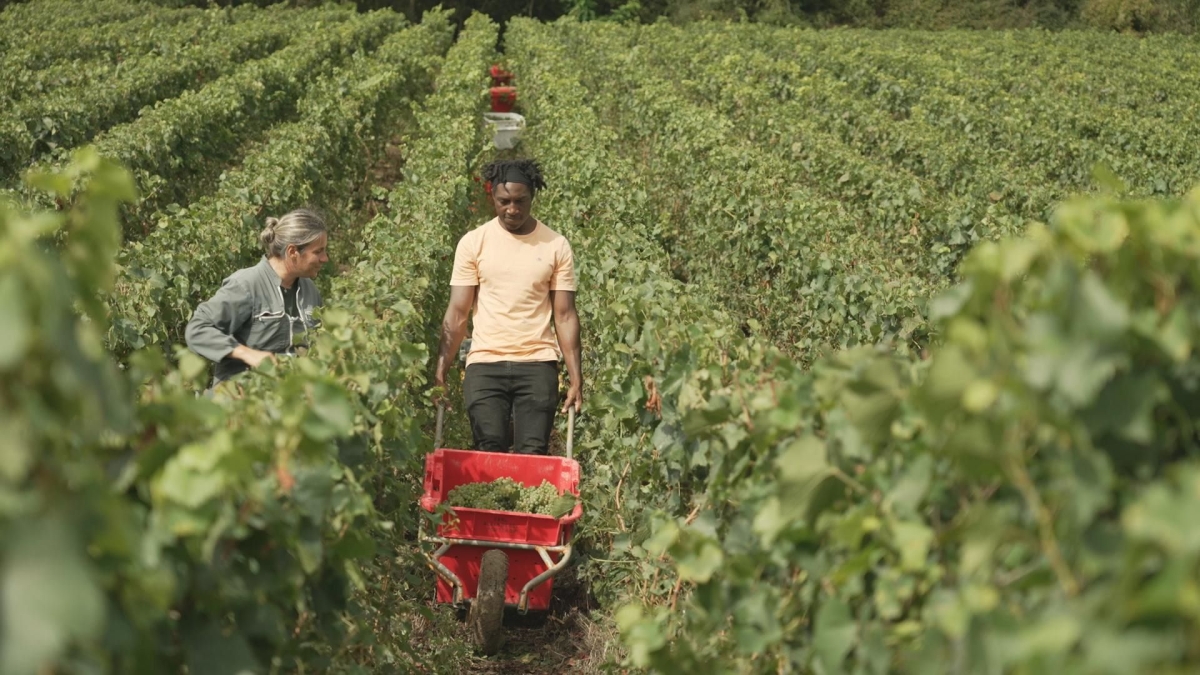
(519, 277)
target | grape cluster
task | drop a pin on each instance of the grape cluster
(506, 494)
(538, 500)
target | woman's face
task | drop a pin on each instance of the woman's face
(307, 263)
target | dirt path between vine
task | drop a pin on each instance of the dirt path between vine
(565, 639)
(575, 636)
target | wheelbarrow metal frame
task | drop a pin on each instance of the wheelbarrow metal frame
(444, 544)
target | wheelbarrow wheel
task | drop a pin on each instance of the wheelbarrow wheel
(485, 620)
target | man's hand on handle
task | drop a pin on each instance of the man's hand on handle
(566, 325)
(574, 398)
(454, 329)
(439, 386)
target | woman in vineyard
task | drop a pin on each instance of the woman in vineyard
(261, 311)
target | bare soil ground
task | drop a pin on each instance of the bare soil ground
(566, 639)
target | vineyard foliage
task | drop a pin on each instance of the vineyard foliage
(980, 483)
(888, 339)
(238, 531)
(178, 149)
(68, 117)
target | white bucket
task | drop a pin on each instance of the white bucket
(506, 128)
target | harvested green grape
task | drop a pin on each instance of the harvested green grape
(538, 499)
(506, 494)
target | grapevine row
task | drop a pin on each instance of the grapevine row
(67, 119)
(27, 23)
(239, 524)
(876, 513)
(177, 148)
(833, 139)
(94, 54)
(904, 515)
(1114, 75)
(987, 202)
(1052, 132)
(801, 265)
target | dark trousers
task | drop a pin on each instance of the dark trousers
(512, 405)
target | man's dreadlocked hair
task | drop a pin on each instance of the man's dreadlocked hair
(499, 171)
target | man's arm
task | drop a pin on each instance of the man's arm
(566, 326)
(454, 329)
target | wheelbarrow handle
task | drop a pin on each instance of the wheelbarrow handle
(441, 418)
(570, 432)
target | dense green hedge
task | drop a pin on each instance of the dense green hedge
(178, 148)
(145, 528)
(1124, 15)
(1005, 503)
(1015, 503)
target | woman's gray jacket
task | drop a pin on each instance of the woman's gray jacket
(248, 310)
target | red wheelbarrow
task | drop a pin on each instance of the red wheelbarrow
(487, 560)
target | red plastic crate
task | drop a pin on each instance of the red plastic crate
(446, 469)
(503, 98)
(500, 77)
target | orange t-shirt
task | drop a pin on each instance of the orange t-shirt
(515, 274)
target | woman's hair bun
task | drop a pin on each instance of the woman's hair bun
(268, 234)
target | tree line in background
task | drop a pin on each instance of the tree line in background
(1137, 16)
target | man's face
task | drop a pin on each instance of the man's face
(307, 263)
(512, 202)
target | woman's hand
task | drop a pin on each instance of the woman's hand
(251, 357)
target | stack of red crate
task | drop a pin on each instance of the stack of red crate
(504, 94)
